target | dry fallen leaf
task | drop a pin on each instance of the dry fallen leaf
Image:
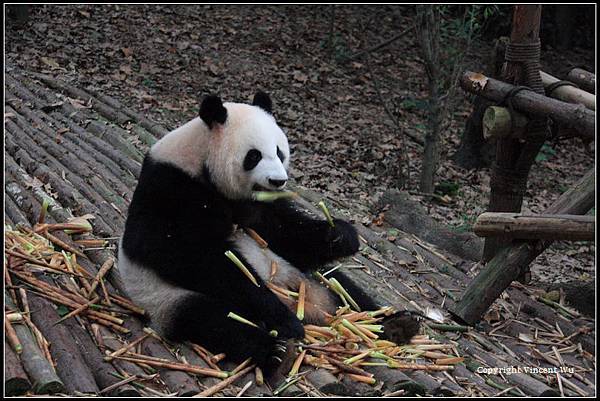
(434, 314)
(50, 62)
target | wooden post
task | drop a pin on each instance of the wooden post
(514, 157)
(541, 226)
(586, 80)
(512, 260)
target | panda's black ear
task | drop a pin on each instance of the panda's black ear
(262, 100)
(212, 111)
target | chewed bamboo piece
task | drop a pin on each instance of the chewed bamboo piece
(241, 319)
(257, 238)
(11, 336)
(242, 267)
(323, 207)
(301, 299)
(267, 196)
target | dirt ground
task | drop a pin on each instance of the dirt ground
(159, 60)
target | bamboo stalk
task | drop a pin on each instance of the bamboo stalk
(118, 384)
(126, 348)
(240, 366)
(301, 300)
(241, 266)
(336, 284)
(274, 268)
(218, 358)
(410, 366)
(241, 319)
(101, 273)
(77, 310)
(345, 367)
(12, 338)
(109, 324)
(220, 386)
(254, 235)
(63, 245)
(297, 363)
(265, 196)
(325, 211)
(127, 305)
(449, 361)
(204, 354)
(362, 379)
(105, 292)
(358, 332)
(176, 366)
(258, 376)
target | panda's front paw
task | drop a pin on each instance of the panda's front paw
(401, 326)
(290, 328)
(343, 239)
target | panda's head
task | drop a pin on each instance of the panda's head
(240, 146)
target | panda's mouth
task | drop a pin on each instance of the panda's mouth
(258, 187)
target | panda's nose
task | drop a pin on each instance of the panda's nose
(277, 183)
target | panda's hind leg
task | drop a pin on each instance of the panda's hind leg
(203, 321)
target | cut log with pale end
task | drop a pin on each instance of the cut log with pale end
(510, 261)
(585, 79)
(542, 226)
(498, 123)
(568, 93)
(575, 116)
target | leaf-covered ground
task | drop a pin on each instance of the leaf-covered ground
(160, 59)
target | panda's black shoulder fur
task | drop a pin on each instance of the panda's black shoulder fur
(172, 210)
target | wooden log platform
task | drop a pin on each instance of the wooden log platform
(93, 170)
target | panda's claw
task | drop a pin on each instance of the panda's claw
(281, 360)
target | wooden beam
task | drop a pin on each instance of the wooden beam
(573, 116)
(569, 94)
(511, 261)
(541, 226)
(585, 79)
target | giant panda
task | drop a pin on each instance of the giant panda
(193, 196)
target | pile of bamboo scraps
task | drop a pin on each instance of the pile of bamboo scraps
(350, 343)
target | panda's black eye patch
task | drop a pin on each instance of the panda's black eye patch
(280, 154)
(252, 158)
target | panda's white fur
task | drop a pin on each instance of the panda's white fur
(189, 147)
(157, 297)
